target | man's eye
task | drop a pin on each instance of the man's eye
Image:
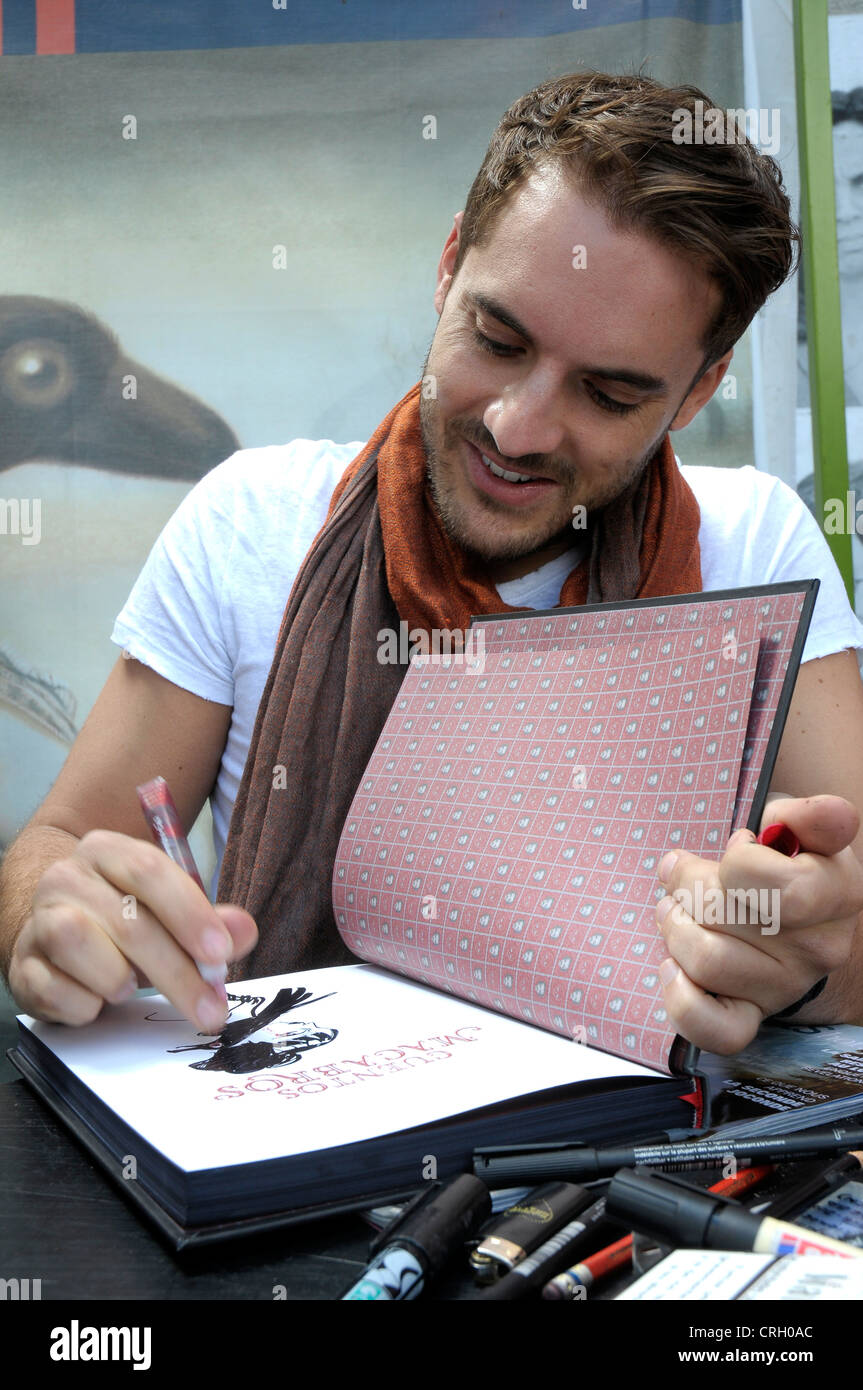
(608, 402)
(491, 345)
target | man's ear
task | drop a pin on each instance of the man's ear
(701, 392)
(446, 263)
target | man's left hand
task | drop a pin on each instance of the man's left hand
(735, 961)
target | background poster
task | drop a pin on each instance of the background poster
(221, 226)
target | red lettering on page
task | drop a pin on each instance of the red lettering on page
(348, 1071)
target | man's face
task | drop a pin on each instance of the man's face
(561, 366)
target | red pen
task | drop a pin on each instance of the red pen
(780, 838)
(567, 1285)
(166, 828)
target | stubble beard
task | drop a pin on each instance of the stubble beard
(450, 511)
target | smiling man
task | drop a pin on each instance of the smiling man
(589, 300)
(559, 405)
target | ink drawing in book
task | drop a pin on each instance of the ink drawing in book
(328, 1086)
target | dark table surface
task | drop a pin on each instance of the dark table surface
(63, 1221)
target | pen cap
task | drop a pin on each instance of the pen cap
(436, 1228)
(677, 1212)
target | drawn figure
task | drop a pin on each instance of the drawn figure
(233, 1052)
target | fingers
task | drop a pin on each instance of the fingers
(721, 1024)
(140, 871)
(241, 928)
(71, 938)
(718, 963)
(755, 889)
(823, 824)
(46, 993)
(116, 912)
(167, 925)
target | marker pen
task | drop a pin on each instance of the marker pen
(534, 1270)
(524, 1226)
(568, 1286)
(501, 1166)
(677, 1213)
(576, 1280)
(166, 828)
(780, 838)
(419, 1245)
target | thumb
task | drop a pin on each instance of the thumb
(822, 824)
(241, 926)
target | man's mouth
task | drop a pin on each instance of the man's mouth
(503, 473)
(504, 484)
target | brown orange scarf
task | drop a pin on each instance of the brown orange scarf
(382, 556)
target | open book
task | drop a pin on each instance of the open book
(502, 847)
(327, 1090)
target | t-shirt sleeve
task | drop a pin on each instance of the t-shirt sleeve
(801, 552)
(206, 608)
(172, 619)
(756, 530)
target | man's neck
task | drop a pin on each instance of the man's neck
(501, 571)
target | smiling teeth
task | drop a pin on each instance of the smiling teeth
(502, 473)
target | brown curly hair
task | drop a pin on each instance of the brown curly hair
(722, 205)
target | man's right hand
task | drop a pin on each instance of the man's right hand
(87, 914)
(117, 914)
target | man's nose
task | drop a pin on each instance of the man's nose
(526, 418)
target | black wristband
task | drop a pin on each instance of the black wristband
(811, 994)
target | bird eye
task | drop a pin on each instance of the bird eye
(36, 372)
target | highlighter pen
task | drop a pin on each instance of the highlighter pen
(677, 1213)
(163, 818)
(502, 1166)
(574, 1282)
(420, 1243)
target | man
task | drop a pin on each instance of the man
(589, 300)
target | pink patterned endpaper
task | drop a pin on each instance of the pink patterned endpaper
(777, 613)
(504, 840)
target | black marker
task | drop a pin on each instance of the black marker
(524, 1226)
(678, 1213)
(574, 1240)
(503, 1166)
(422, 1240)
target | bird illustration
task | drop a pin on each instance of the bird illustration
(68, 393)
(105, 449)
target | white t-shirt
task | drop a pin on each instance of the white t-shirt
(206, 608)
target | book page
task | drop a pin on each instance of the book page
(309, 1061)
(777, 614)
(504, 841)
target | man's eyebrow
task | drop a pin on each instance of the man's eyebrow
(497, 311)
(642, 381)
